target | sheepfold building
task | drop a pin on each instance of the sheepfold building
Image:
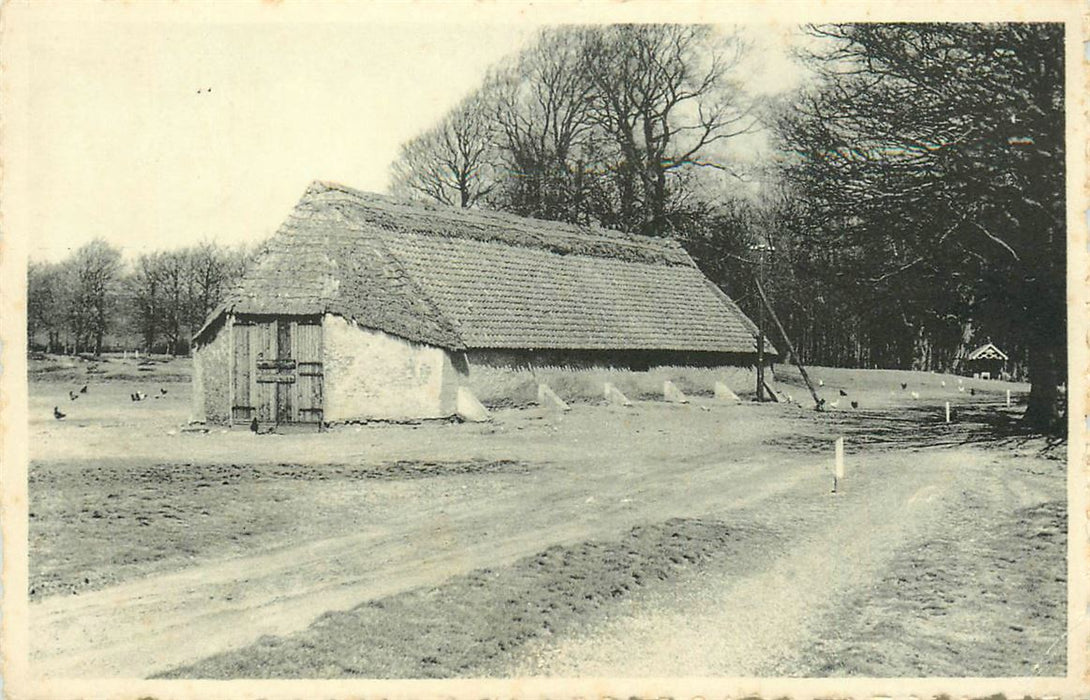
(364, 307)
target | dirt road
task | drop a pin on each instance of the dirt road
(147, 625)
(761, 619)
(345, 534)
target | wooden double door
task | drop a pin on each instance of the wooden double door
(277, 365)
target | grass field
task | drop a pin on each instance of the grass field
(548, 543)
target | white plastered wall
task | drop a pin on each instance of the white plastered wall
(373, 375)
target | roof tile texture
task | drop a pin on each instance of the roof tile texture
(469, 279)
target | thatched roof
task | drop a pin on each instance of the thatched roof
(459, 278)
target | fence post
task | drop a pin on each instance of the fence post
(838, 466)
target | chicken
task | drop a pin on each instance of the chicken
(904, 385)
(843, 393)
(57, 413)
(72, 396)
(253, 425)
(915, 395)
(162, 391)
(834, 404)
(83, 390)
(855, 404)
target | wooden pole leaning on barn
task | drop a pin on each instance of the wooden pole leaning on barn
(790, 346)
(760, 325)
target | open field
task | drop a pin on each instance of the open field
(547, 543)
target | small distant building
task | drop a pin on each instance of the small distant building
(365, 307)
(986, 362)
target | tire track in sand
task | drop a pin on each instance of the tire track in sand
(142, 627)
(740, 623)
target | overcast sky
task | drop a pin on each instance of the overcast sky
(159, 136)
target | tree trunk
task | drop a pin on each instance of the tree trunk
(655, 183)
(1045, 412)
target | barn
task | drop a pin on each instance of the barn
(363, 307)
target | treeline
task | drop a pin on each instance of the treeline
(925, 170)
(93, 300)
(619, 126)
(629, 127)
(912, 207)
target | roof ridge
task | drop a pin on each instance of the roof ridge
(669, 250)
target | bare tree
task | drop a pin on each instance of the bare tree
(599, 125)
(145, 294)
(213, 270)
(46, 302)
(543, 113)
(95, 271)
(173, 270)
(451, 163)
(663, 96)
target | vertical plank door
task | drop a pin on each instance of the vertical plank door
(306, 350)
(242, 407)
(285, 370)
(263, 382)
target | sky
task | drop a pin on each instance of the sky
(156, 136)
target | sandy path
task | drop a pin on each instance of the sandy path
(682, 462)
(739, 623)
(740, 618)
(148, 625)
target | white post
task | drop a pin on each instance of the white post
(838, 470)
(947, 411)
(1008, 398)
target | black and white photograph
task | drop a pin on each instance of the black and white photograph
(416, 349)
